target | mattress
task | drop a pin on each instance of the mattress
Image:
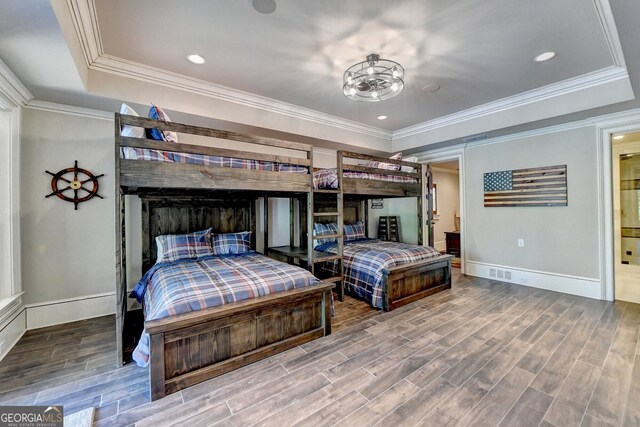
(328, 178)
(130, 153)
(364, 261)
(189, 285)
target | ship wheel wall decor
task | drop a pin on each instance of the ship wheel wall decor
(81, 182)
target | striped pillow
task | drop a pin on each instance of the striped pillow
(172, 247)
(354, 231)
(231, 243)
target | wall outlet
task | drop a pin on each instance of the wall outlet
(521, 243)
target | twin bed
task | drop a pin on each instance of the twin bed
(212, 313)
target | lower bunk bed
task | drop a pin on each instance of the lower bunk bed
(389, 275)
(211, 303)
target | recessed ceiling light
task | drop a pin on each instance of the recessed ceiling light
(618, 137)
(431, 87)
(264, 6)
(383, 117)
(196, 59)
(545, 56)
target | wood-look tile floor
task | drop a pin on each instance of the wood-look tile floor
(484, 353)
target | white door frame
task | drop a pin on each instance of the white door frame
(626, 123)
(446, 155)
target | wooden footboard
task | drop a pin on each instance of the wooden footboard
(410, 282)
(191, 348)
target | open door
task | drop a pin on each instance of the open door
(430, 201)
(626, 208)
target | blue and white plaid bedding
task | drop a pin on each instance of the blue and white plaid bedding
(328, 178)
(365, 259)
(195, 284)
(131, 153)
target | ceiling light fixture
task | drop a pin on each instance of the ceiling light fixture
(383, 117)
(618, 137)
(373, 80)
(196, 59)
(545, 56)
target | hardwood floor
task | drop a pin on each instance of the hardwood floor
(483, 353)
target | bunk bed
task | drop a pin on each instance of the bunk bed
(186, 187)
(406, 282)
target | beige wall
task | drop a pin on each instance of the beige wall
(65, 253)
(448, 204)
(558, 240)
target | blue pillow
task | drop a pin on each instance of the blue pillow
(172, 247)
(157, 113)
(354, 231)
(323, 230)
(231, 243)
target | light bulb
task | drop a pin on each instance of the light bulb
(352, 91)
(349, 77)
(370, 70)
(374, 94)
(395, 73)
(394, 87)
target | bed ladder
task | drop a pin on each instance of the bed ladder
(316, 257)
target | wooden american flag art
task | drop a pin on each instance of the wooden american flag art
(545, 186)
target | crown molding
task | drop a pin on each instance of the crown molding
(134, 70)
(599, 122)
(71, 110)
(589, 80)
(603, 9)
(83, 14)
(85, 22)
(12, 92)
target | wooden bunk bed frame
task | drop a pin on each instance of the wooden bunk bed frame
(409, 282)
(189, 348)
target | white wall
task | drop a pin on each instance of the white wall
(448, 204)
(67, 256)
(561, 249)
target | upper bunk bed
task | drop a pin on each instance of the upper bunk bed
(185, 187)
(379, 177)
(144, 164)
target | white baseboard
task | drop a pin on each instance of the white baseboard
(575, 285)
(440, 246)
(12, 331)
(70, 310)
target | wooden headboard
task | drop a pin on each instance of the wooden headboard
(186, 214)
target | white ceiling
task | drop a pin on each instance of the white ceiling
(479, 52)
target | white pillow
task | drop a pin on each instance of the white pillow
(132, 131)
(409, 168)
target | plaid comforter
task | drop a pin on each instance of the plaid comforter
(365, 259)
(194, 284)
(328, 178)
(204, 160)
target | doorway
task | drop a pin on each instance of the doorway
(446, 222)
(626, 215)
